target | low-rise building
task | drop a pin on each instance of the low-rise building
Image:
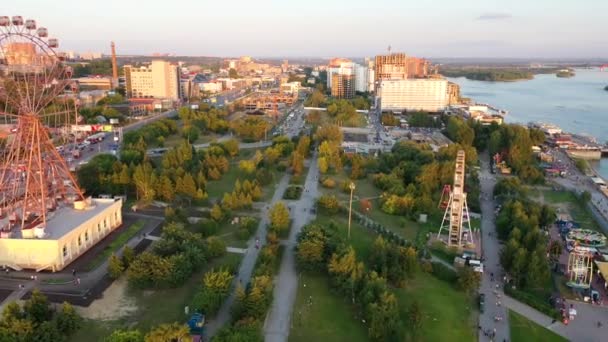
(69, 233)
(94, 82)
(290, 87)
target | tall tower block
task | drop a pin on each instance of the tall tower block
(114, 66)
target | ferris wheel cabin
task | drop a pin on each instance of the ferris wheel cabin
(17, 20)
(42, 32)
(4, 21)
(30, 24)
(53, 43)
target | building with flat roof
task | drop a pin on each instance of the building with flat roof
(424, 94)
(69, 233)
(159, 79)
(98, 82)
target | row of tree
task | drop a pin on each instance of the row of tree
(523, 225)
(253, 301)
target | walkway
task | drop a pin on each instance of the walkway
(246, 267)
(277, 325)
(490, 248)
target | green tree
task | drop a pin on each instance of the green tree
(468, 280)
(415, 316)
(279, 217)
(67, 320)
(585, 196)
(115, 267)
(37, 308)
(125, 336)
(128, 255)
(384, 317)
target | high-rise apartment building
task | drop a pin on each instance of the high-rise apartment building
(417, 94)
(398, 66)
(352, 76)
(343, 85)
(160, 79)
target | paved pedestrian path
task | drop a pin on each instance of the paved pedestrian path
(246, 267)
(236, 250)
(278, 320)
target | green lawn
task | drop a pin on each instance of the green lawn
(579, 211)
(328, 318)
(217, 188)
(448, 314)
(523, 329)
(115, 245)
(176, 139)
(154, 307)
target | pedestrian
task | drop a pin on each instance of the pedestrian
(73, 272)
(78, 281)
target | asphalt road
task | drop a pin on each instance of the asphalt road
(494, 297)
(105, 146)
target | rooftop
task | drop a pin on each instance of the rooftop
(65, 219)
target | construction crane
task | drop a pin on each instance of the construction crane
(456, 217)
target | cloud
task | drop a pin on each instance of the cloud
(494, 16)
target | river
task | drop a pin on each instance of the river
(578, 104)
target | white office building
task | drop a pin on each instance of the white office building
(423, 94)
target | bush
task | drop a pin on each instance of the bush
(444, 273)
(208, 227)
(115, 267)
(264, 176)
(293, 193)
(215, 247)
(328, 183)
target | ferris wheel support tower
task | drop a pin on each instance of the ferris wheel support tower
(456, 220)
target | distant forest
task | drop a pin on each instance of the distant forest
(495, 74)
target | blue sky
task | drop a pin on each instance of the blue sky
(325, 28)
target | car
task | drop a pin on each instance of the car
(482, 302)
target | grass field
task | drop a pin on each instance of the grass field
(154, 307)
(524, 330)
(578, 210)
(115, 245)
(320, 315)
(449, 315)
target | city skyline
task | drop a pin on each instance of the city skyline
(485, 29)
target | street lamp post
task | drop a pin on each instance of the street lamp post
(351, 186)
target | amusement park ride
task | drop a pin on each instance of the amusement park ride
(456, 217)
(34, 177)
(45, 219)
